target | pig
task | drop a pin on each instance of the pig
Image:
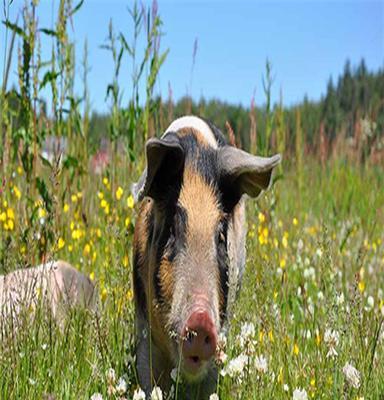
(55, 284)
(189, 249)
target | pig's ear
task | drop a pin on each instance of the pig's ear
(165, 161)
(242, 172)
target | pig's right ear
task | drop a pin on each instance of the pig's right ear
(165, 161)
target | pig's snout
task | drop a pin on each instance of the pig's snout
(199, 340)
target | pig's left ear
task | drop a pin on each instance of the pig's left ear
(165, 159)
(244, 173)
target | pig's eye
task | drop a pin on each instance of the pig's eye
(222, 233)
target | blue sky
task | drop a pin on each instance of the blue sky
(306, 42)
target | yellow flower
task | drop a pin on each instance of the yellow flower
(92, 276)
(296, 349)
(3, 216)
(60, 243)
(261, 217)
(70, 248)
(318, 339)
(125, 261)
(41, 212)
(74, 198)
(106, 209)
(130, 201)
(11, 224)
(66, 208)
(98, 232)
(361, 286)
(127, 221)
(10, 213)
(20, 170)
(313, 382)
(72, 225)
(87, 249)
(283, 263)
(23, 249)
(270, 336)
(295, 221)
(104, 294)
(17, 192)
(100, 195)
(119, 193)
(284, 242)
(129, 295)
(79, 195)
(5, 203)
(103, 203)
(261, 336)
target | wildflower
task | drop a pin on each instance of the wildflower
(60, 243)
(119, 193)
(92, 276)
(352, 375)
(214, 396)
(331, 338)
(299, 394)
(261, 364)
(17, 192)
(261, 217)
(235, 367)
(74, 198)
(66, 208)
(121, 387)
(127, 222)
(111, 376)
(284, 241)
(96, 396)
(285, 387)
(104, 294)
(3, 217)
(87, 249)
(283, 263)
(156, 394)
(105, 181)
(361, 286)
(296, 349)
(295, 221)
(130, 201)
(370, 303)
(138, 394)
(11, 214)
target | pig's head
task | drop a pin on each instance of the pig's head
(194, 189)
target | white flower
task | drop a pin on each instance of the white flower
(214, 396)
(139, 394)
(111, 376)
(121, 387)
(174, 374)
(236, 366)
(246, 335)
(340, 299)
(285, 387)
(156, 394)
(261, 364)
(300, 394)
(352, 375)
(370, 303)
(331, 338)
(96, 396)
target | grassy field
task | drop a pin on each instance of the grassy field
(311, 305)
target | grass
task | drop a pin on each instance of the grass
(306, 251)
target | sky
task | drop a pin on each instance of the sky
(306, 41)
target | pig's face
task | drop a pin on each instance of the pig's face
(194, 188)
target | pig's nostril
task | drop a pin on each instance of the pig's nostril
(207, 340)
(195, 359)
